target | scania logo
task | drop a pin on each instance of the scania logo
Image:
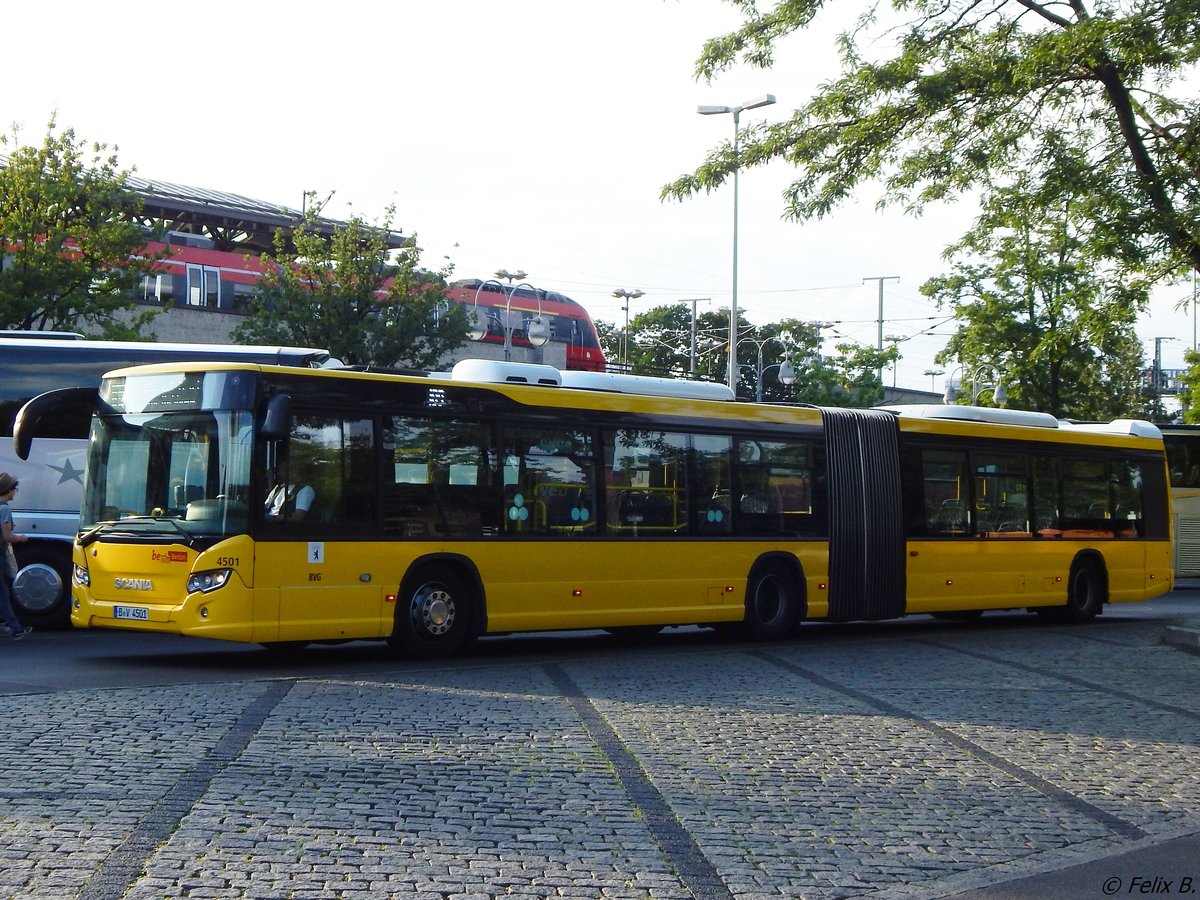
(133, 584)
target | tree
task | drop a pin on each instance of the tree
(660, 344)
(1033, 302)
(346, 293)
(73, 251)
(1189, 397)
(849, 377)
(1089, 102)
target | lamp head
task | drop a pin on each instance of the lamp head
(478, 328)
(537, 332)
(764, 100)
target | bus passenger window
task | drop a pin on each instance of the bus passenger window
(945, 493)
(646, 474)
(711, 456)
(548, 482)
(441, 481)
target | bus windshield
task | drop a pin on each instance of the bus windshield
(190, 467)
(161, 461)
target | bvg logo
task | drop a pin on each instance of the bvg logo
(133, 584)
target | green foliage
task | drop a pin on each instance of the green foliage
(1189, 397)
(1038, 310)
(660, 343)
(347, 293)
(73, 250)
(937, 99)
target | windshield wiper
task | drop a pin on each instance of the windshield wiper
(124, 525)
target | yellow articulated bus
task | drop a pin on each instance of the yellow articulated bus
(286, 506)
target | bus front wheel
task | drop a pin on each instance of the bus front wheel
(433, 615)
(772, 603)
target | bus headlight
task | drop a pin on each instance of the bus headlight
(80, 575)
(204, 582)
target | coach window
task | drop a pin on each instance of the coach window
(549, 482)
(646, 475)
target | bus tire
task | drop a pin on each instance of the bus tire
(42, 590)
(773, 603)
(1086, 592)
(434, 614)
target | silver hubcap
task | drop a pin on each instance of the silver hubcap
(433, 610)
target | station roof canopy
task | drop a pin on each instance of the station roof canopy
(231, 221)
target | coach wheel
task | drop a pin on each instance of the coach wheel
(772, 603)
(433, 615)
(41, 591)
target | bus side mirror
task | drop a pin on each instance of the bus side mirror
(275, 422)
(43, 406)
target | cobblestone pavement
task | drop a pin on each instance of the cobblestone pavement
(883, 765)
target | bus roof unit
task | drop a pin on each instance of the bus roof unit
(986, 414)
(492, 372)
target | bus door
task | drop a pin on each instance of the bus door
(866, 526)
(320, 490)
(970, 522)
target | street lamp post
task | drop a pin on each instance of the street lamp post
(933, 373)
(978, 385)
(894, 340)
(537, 330)
(787, 372)
(1158, 379)
(736, 111)
(621, 293)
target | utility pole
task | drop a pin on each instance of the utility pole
(881, 279)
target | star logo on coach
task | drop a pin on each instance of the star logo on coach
(68, 472)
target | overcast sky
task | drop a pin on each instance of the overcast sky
(529, 134)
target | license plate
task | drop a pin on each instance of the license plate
(141, 613)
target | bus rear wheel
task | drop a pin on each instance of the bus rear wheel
(1085, 594)
(772, 603)
(433, 615)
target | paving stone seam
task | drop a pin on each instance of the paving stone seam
(1039, 784)
(1063, 676)
(676, 842)
(127, 861)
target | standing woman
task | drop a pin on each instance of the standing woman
(8, 565)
